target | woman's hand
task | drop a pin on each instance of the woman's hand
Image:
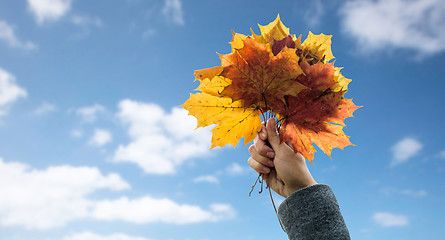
(283, 170)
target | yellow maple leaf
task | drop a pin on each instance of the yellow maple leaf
(274, 31)
(214, 86)
(341, 83)
(237, 41)
(233, 120)
(208, 73)
(318, 45)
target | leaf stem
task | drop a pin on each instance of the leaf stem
(275, 208)
(259, 175)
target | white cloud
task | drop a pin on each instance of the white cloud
(43, 199)
(100, 137)
(405, 149)
(9, 91)
(160, 141)
(406, 192)
(52, 197)
(49, 10)
(235, 169)
(442, 154)
(76, 133)
(86, 21)
(314, 13)
(149, 210)
(173, 11)
(45, 107)
(418, 25)
(89, 114)
(7, 34)
(414, 193)
(206, 178)
(386, 219)
(148, 33)
(94, 236)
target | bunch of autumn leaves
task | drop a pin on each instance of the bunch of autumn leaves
(275, 74)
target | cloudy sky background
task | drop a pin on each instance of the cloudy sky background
(94, 146)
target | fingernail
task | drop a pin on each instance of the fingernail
(270, 154)
(270, 163)
(266, 170)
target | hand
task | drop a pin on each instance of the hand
(283, 170)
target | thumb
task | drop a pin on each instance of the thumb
(272, 134)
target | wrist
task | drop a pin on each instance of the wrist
(292, 189)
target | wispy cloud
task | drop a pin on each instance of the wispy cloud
(409, 24)
(9, 91)
(94, 236)
(89, 113)
(85, 24)
(7, 35)
(406, 192)
(235, 169)
(160, 141)
(85, 21)
(49, 10)
(314, 13)
(100, 137)
(206, 178)
(148, 33)
(44, 108)
(149, 210)
(172, 10)
(386, 219)
(405, 149)
(76, 133)
(442, 154)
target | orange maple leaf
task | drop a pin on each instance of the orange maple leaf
(258, 77)
(275, 73)
(316, 117)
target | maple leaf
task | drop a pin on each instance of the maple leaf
(237, 41)
(273, 31)
(274, 74)
(317, 48)
(258, 77)
(233, 120)
(318, 76)
(208, 73)
(341, 83)
(278, 45)
(316, 117)
(210, 81)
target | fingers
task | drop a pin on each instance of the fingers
(261, 158)
(263, 132)
(271, 127)
(262, 148)
(257, 166)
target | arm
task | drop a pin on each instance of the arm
(313, 213)
(310, 210)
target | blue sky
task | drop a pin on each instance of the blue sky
(94, 146)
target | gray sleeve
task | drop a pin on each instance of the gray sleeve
(313, 213)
